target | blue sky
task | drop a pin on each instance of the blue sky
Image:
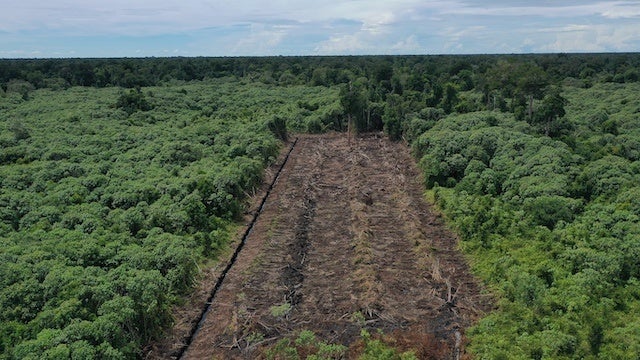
(138, 28)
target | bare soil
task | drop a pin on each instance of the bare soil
(345, 241)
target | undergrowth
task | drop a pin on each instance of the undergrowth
(308, 346)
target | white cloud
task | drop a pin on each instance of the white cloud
(557, 9)
(623, 10)
(342, 44)
(564, 29)
(410, 45)
(262, 40)
(455, 37)
(595, 38)
(147, 18)
(456, 33)
(378, 24)
(251, 27)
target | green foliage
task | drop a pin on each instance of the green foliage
(278, 126)
(548, 210)
(105, 212)
(133, 101)
(20, 132)
(280, 310)
(420, 122)
(393, 117)
(306, 346)
(450, 98)
(110, 197)
(548, 116)
(376, 349)
(355, 98)
(550, 226)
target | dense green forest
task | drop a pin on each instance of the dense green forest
(111, 198)
(120, 177)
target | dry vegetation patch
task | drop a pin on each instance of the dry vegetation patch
(345, 243)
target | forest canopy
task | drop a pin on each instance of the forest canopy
(119, 177)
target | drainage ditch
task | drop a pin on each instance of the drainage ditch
(234, 257)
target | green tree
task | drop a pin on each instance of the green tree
(450, 98)
(19, 130)
(532, 81)
(132, 101)
(278, 126)
(548, 116)
(394, 116)
(354, 100)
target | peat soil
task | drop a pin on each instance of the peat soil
(345, 242)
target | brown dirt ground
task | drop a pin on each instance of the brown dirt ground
(345, 241)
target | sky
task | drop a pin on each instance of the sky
(145, 28)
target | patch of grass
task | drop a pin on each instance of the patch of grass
(280, 310)
(306, 346)
(376, 349)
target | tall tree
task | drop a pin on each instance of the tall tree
(450, 98)
(531, 82)
(551, 110)
(354, 101)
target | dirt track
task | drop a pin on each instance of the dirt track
(345, 241)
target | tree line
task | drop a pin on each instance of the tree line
(410, 72)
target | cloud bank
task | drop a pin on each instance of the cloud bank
(32, 28)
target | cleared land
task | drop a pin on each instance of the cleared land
(345, 241)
